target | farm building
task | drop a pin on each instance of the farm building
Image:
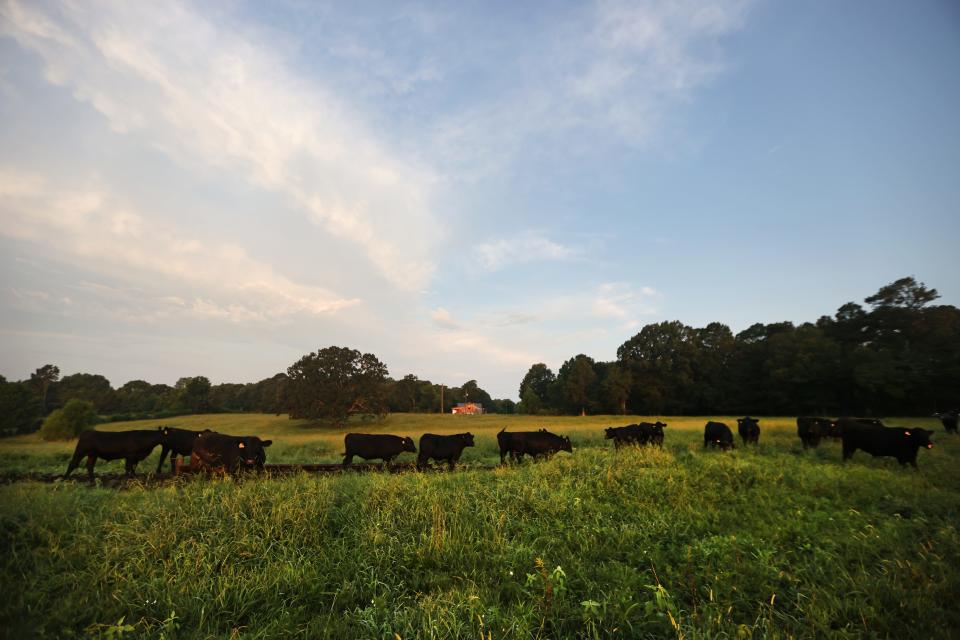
(468, 408)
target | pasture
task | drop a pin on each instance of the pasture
(770, 541)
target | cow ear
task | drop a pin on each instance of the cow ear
(267, 443)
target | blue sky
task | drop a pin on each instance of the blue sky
(463, 189)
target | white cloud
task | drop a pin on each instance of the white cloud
(87, 224)
(214, 100)
(443, 318)
(620, 301)
(523, 247)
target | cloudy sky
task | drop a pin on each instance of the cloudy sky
(463, 189)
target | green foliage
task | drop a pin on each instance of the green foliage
(336, 383)
(20, 410)
(635, 543)
(93, 388)
(577, 384)
(42, 379)
(193, 394)
(67, 423)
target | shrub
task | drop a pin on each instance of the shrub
(68, 422)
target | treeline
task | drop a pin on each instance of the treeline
(326, 385)
(899, 356)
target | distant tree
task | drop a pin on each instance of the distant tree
(19, 408)
(503, 405)
(577, 381)
(661, 359)
(42, 379)
(530, 404)
(86, 386)
(66, 423)
(335, 383)
(615, 387)
(470, 391)
(539, 378)
(193, 394)
(905, 293)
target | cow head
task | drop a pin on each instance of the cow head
(659, 425)
(919, 437)
(408, 445)
(467, 439)
(251, 452)
(566, 445)
(610, 433)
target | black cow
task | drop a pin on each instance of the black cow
(375, 446)
(949, 420)
(535, 443)
(842, 423)
(749, 430)
(811, 430)
(177, 442)
(132, 446)
(448, 448)
(901, 443)
(218, 452)
(717, 434)
(653, 432)
(630, 434)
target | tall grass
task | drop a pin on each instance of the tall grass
(771, 542)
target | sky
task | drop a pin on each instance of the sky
(463, 189)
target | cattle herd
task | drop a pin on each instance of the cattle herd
(211, 451)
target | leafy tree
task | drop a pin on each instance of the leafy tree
(905, 293)
(335, 383)
(539, 378)
(193, 394)
(42, 379)
(86, 386)
(19, 408)
(530, 404)
(470, 391)
(615, 387)
(577, 382)
(68, 422)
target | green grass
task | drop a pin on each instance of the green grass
(766, 542)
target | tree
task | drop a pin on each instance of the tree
(470, 391)
(538, 378)
(66, 423)
(86, 386)
(577, 381)
(530, 403)
(42, 379)
(615, 387)
(19, 408)
(335, 383)
(905, 293)
(193, 394)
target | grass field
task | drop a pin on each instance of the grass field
(766, 542)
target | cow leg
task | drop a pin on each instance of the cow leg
(422, 461)
(74, 463)
(173, 463)
(347, 459)
(848, 452)
(91, 462)
(130, 466)
(452, 463)
(163, 456)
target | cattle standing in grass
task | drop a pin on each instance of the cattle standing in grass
(535, 443)
(448, 448)
(375, 446)
(621, 436)
(177, 442)
(653, 432)
(132, 446)
(749, 430)
(901, 443)
(949, 420)
(811, 430)
(717, 434)
(228, 454)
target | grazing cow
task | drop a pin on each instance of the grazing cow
(448, 448)
(653, 432)
(630, 434)
(749, 430)
(132, 446)
(375, 446)
(811, 430)
(534, 443)
(949, 420)
(218, 452)
(177, 442)
(717, 434)
(901, 443)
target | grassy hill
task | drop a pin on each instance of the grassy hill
(767, 542)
